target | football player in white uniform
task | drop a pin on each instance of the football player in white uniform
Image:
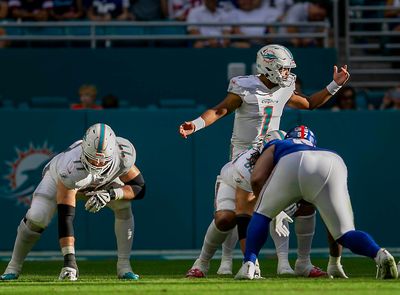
(258, 102)
(101, 168)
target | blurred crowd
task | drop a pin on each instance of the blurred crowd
(193, 12)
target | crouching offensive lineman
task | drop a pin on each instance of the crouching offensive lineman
(101, 167)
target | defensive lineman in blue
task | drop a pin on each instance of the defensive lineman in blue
(293, 169)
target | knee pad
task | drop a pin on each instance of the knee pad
(32, 226)
(41, 212)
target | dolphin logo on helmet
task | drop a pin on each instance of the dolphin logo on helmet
(98, 148)
(270, 61)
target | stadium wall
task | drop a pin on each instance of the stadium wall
(141, 76)
(181, 173)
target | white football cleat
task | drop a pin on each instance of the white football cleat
(246, 272)
(336, 271)
(257, 271)
(68, 274)
(285, 269)
(225, 267)
(386, 265)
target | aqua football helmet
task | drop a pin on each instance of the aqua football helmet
(302, 132)
(271, 59)
(98, 148)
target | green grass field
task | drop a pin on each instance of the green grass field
(167, 277)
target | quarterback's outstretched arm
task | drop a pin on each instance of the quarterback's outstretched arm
(228, 105)
(319, 98)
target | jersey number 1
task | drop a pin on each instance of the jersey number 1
(266, 120)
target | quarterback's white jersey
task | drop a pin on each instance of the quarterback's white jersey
(68, 168)
(260, 111)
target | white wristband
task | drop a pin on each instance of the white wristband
(119, 193)
(68, 250)
(333, 87)
(199, 123)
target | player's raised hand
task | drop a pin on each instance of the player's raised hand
(186, 129)
(341, 76)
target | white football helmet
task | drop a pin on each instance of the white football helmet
(271, 59)
(275, 134)
(98, 148)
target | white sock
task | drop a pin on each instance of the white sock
(24, 242)
(213, 239)
(334, 260)
(304, 227)
(124, 230)
(229, 245)
(281, 245)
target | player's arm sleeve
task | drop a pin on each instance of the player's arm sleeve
(235, 87)
(138, 186)
(127, 154)
(65, 174)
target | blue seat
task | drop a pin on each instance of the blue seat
(177, 103)
(49, 102)
(56, 31)
(78, 31)
(125, 31)
(374, 98)
(7, 104)
(166, 30)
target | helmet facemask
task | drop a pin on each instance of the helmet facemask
(98, 148)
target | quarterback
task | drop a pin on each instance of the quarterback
(258, 102)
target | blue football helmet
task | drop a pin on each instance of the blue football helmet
(302, 132)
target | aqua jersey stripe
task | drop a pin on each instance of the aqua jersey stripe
(281, 134)
(101, 140)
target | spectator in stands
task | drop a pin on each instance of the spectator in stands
(147, 10)
(179, 9)
(3, 9)
(276, 9)
(391, 100)
(209, 12)
(30, 10)
(87, 95)
(305, 12)
(345, 99)
(393, 13)
(4, 43)
(67, 10)
(110, 102)
(249, 11)
(105, 10)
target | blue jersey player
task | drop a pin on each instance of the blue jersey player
(294, 169)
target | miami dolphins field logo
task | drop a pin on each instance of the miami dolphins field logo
(26, 172)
